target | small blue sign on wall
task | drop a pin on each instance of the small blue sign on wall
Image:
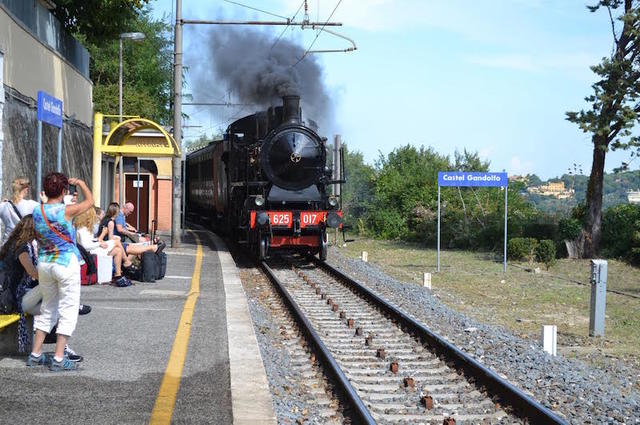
(49, 109)
(472, 178)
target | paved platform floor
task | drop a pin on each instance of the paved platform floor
(127, 342)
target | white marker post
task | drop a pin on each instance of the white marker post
(426, 280)
(365, 256)
(549, 339)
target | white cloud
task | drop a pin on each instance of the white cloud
(574, 63)
(519, 167)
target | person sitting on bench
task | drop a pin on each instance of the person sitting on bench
(83, 223)
(109, 222)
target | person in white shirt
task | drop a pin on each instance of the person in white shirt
(83, 223)
(19, 206)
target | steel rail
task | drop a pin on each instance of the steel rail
(358, 408)
(523, 404)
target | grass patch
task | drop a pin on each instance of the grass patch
(520, 300)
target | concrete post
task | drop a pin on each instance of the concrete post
(549, 339)
(176, 186)
(426, 280)
(598, 297)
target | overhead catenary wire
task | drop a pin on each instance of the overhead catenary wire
(285, 28)
(318, 34)
(255, 8)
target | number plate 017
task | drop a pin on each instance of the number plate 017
(311, 218)
(278, 218)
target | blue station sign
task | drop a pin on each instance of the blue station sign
(49, 109)
(472, 178)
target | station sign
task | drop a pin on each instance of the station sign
(49, 109)
(472, 178)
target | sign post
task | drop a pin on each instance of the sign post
(50, 112)
(473, 179)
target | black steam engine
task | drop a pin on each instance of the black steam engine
(267, 182)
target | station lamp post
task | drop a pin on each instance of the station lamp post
(134, 36)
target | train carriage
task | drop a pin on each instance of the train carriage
(267, 183)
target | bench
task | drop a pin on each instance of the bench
(8, 319)
(9, 334)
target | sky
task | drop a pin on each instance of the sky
(493, 77)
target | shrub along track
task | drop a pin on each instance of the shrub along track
(387, 367)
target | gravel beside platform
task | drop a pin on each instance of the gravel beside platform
(580, 393)
(295, 397)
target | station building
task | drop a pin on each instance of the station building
(36, 54)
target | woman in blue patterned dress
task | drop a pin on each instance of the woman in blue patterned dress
(58, 268)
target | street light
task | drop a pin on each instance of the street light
(133, 36)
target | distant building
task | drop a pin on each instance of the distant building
(633, 196)
(516, 178)
(555, 189)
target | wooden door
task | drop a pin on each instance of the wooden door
(131, 195)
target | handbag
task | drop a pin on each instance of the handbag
(86, 256)
(7, 297)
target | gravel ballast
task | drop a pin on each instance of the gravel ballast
(575, 390)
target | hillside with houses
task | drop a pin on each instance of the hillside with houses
(561, 194)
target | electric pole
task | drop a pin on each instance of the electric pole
(176, 187)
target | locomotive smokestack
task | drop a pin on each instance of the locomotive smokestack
(291, 109)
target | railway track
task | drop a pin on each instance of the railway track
(387, 367)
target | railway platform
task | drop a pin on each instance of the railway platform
(180, 350)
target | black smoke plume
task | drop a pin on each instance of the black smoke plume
(257, 72)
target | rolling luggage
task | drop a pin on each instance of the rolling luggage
(150, 265)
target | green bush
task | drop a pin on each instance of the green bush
(522, 249)
(619, 224)
(546, 252)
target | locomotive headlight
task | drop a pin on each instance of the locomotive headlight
(333, 201)
(262, 218)
(259, 200)
(333, 219)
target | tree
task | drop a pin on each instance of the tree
(614, 110)
(357, 192)
(147, 71)
(98, 20)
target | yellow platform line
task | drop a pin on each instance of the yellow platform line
(166, 400)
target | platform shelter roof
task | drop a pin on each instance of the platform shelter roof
(136, 136)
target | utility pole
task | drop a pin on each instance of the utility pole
(176, 187)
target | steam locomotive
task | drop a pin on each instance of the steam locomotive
(267, 182)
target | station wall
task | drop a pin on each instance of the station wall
(28, 65)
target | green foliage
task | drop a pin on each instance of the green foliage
(522, 249)
(357, 192)
(98, 20)
(405, 179)
(147, 71)
(546, 252)
(569, 228)
(619, 228)
(402, 201)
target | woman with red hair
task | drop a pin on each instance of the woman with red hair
(58, 268)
